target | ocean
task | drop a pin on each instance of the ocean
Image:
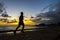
(3, 28)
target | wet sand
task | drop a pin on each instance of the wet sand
(33, 35)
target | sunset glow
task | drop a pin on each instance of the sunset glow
(10, 21)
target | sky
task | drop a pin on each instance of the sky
(29, 7)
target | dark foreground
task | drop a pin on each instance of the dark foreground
(33, 35)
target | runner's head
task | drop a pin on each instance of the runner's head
(21, 13)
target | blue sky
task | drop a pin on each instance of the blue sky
(29, 7)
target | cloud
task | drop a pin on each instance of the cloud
(53, 16)
(1, 7)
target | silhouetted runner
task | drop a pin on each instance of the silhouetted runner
(21, 18)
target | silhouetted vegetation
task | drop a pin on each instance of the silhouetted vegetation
(50, 25)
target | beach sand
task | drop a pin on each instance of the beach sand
(33, 35)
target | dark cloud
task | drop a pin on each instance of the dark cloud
(1, 7)
(3, 10)
(54, 16)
